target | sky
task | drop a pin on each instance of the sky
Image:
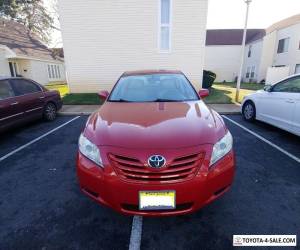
(230, 14)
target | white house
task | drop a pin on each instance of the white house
(252, 61)
(270, 54)
(223, 51)
(22, 54)
(104, 38)
(277, 54)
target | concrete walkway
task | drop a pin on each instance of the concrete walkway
(224, 109)
(78, 109)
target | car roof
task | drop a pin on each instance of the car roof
(10, 77)
(151, 72)
(19, 77)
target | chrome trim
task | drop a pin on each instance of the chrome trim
(5, 118)
(30, 110)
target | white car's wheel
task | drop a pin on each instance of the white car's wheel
(249, 111)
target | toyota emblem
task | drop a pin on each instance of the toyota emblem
(156, 161)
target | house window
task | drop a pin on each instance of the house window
(58, 70)
(252, 72)
(165, 26)
(248, 72)
(250, 51)
(49, 71)
(283, 45)
(13, 69)
(54, 71)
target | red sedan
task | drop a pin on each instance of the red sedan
(23, 100)
(154, 148)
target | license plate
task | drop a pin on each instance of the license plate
(157, 200)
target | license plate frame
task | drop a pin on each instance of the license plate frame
(168, 205)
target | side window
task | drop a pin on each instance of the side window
(165, 26)
(248, 72)
(290, 86)
(283, 45)
(250, 51)
(23, 87)
(6, 90)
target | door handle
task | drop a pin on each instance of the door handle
(42, 97)
(14, 103)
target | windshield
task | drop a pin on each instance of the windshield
(153, 88)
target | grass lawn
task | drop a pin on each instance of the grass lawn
(220, 93)
(224, 93)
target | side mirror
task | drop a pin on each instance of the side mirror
(268, 88)
(203, 93)
(103, 95)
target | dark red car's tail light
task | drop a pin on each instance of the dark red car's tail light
(179, 169)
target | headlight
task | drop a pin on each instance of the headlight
(89, 150)
(221, 148)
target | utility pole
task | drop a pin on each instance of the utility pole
(238, 85)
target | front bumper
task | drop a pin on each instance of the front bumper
(106, 187)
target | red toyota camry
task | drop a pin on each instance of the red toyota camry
(154, 148)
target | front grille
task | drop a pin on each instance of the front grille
(181, 168)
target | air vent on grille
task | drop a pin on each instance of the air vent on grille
(181, 168)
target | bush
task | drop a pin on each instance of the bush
(208, 79)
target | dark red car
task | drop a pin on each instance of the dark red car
(23, 100)
(154, 148)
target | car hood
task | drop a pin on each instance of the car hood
(154, 125)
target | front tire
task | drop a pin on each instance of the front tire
(50, 112)
(249, 111)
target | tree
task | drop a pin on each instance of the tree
(32, 13)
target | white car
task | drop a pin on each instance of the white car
(278, 105)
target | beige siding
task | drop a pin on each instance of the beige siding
(4, 68)
(224, 60)
(24, 68)
(104, 38)
(38, 71)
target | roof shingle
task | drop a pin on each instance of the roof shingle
(232, 36)
(22, 42)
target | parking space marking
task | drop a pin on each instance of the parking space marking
(136, 233)
(37, 139)
(263, 139)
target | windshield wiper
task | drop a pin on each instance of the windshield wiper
(166, 100)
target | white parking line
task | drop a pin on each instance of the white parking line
(136, 233)
(263, 139)
(37, 139)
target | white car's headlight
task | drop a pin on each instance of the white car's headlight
(89, 150)
(221, 148)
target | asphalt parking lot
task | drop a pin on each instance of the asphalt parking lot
(41, 206)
